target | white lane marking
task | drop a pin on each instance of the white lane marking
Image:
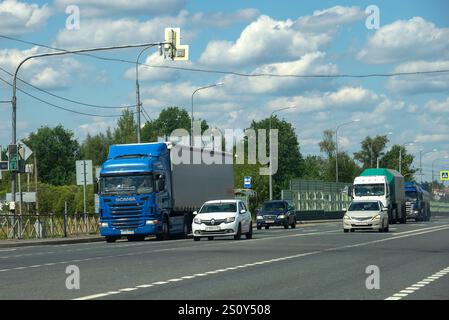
(127, 289)
(94, 296)
(174, 280)
(397, 295)
(7, 250)
(412, 289)
(144, 286)
(393, 298)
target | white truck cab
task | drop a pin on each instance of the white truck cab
(372, 188)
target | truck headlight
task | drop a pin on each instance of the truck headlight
(230, 219)
(197, 220)
(259, 217)
(376, 217)
(104, 224)
(152, 222)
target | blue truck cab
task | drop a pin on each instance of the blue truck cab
(417, 202)
(143, 192)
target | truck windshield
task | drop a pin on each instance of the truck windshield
(218, 207)
(411, 195)
(127, 185)
(273, 206)
(364, 206)
(361, 190)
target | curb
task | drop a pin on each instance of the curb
(49, 241)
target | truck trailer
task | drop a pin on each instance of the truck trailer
(154, 188)
(417, 202)
(385, 185)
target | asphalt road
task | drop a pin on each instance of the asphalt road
(313, 261)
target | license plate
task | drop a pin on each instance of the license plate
(213, 228)
(127, 232)
(269, 221)
(362, 224)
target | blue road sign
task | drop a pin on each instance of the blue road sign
(247, 182)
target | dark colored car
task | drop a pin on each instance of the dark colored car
(276, 213)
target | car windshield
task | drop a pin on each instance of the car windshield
(273, 206)
(361, 190)
(411, 195)
(364, 206)
(126, 185)
(219, 207)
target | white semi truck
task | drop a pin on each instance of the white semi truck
(385, 185)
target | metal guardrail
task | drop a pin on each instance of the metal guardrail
(47, 225)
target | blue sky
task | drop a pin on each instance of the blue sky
(278, 37)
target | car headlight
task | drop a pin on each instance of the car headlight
(259, 217)
(415, 211)
(347, 217)
(376, 217)
(281, 216)
(230, 219)
(197, 220)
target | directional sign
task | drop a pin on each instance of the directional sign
(4, 166)
(247, 182)
(444, 175)
(28, 197)
(24, 151)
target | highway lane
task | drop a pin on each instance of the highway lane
(310, 262)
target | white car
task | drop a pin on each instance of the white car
(220, 218)
(362, 215)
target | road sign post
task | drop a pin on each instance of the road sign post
(83, 178)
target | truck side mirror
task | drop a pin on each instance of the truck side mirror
(96, 182)
(160, 183)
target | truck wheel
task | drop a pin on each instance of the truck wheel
(111, 239)
(210, 238)
(249, 235)
(136, 238)
(267, 227)
(196, 238)
(259, 227)
(293, 225)
(239, 233)
(165, 234)
(185, 232)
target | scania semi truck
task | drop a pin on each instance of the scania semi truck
(385, 185)
(154, 188)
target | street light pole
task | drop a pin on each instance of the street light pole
(191, 116)
(138, 103)
(336, 145)
(420, 160)
(57, 53)
(270, 177)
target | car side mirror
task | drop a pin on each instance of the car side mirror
(243, 211)
(344, 209)
(195, 213)
(384, 209)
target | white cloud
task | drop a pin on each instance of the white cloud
(17, 18)
(344, 98)
(310, 63)
(267, 40)
(406, 40)
(223, 19)
(432, 138)
(415, 84)
(264, 40)
(438, 107)
(96, 8)
(331, 18)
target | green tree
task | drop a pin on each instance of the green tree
(56, 150)
(96, 147)
(315, 168)
(391, 161)
(170, 119)
(290, 161)
(371, 148)
(126, 130)
(327, 145)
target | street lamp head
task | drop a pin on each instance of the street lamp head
(220, 84)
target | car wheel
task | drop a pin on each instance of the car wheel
(345, 230)
(286, 225)
(210, 238)
(196, 238)
(259, 228)
(239, 233)
(267, 227)
(352, 230)
(249, 235)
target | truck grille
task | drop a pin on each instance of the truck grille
(408, 208)
(126, 215)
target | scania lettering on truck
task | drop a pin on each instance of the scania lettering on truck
(154, 188)
(384, 185)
